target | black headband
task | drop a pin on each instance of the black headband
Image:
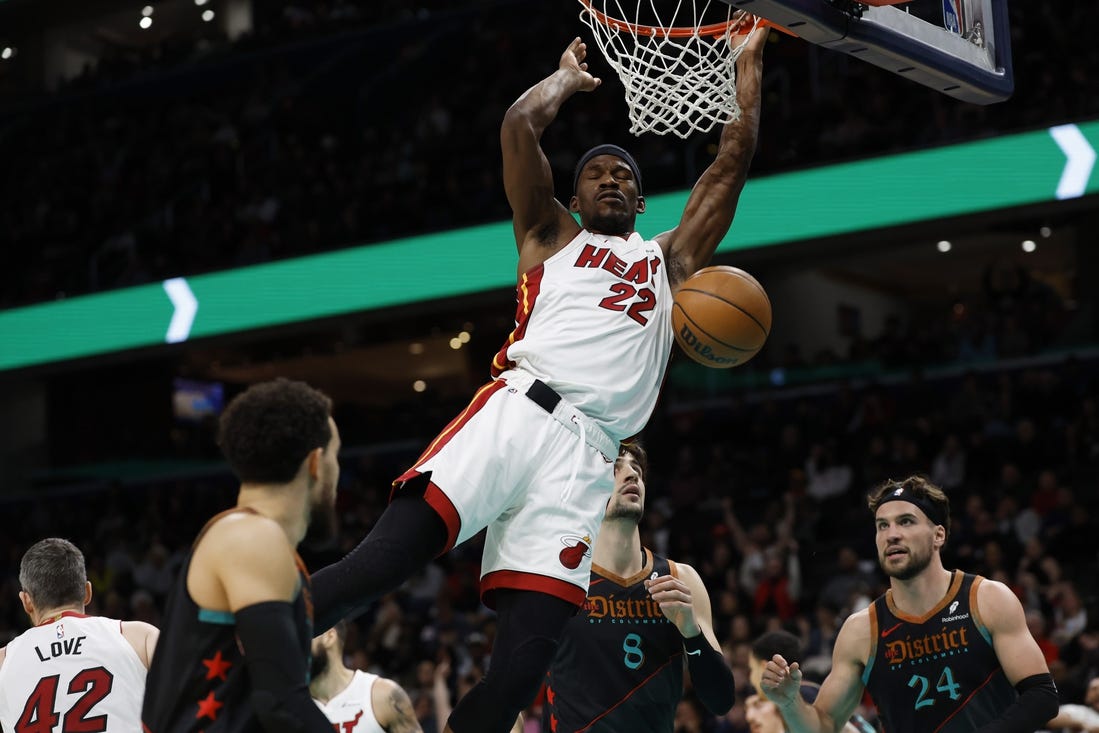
(932, 510)
(607, 149)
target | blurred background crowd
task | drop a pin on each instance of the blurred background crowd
(764, 496)
(332, 124)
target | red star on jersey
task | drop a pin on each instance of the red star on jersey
(208, 708)
(216, 666)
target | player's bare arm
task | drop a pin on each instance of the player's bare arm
(3, 655)
(243, 559)
(542, 225)
(142, 637)
(245, 565)
(393, 708)
(840, 692)
(713, 200)
(685, 602)
(1021, 659)
(1003, 615)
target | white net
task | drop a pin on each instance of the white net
(677, 60)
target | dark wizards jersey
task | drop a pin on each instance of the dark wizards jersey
(937, 673)
(197, 680)
(619, 665)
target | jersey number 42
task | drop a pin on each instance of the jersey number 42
(40, 716)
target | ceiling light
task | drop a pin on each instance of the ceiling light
(207, 15)
(200, 3)
(419, 385)
(944, 246)
(455, 343)
(464, 337)
(1046, 232)
(7, 53)
(145, 22)
(1029, 245)
(147, 11)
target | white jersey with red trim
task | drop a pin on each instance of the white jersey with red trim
(352, 711)
(75, 672)
(594, 323)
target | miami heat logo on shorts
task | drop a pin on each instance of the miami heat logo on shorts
(576, 549)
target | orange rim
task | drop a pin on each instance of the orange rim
(713, 30)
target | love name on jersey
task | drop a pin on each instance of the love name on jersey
(61, 648)
(641, 271)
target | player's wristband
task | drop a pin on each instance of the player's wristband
(711, 677)
(277, 670)
(1038, 702)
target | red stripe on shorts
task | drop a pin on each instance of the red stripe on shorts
(478, 401)
(526, 293)
(442, 505)
(519, 580)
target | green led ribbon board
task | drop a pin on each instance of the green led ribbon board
(998, 173)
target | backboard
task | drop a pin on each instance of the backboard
(958, 47)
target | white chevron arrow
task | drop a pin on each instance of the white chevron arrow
(1081, 160)
(186, 305)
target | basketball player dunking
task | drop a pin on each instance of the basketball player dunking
(530, 458)
(942, 650)
(620, 663)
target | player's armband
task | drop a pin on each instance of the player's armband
(1037, 703)
(280, 691)
(710, 675)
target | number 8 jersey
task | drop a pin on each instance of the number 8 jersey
(594, 323)
(938, 673)
(619, 662)
(72, 673)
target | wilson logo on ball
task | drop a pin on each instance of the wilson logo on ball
(721, 316)
(703, 351)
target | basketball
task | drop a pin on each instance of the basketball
(721, 316)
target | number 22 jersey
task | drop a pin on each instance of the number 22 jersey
(594, 323)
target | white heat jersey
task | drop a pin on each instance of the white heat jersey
(352, 711)
(76, 673)
(594, 323)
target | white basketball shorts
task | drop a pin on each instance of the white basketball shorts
(538, 480)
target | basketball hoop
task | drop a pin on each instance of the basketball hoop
(676, 59)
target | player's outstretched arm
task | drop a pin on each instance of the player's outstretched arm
(1021, 658)
(538, 217)
(684, 601)
(840, 692)
(713, 200)
(250, 558)
(394, 708)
